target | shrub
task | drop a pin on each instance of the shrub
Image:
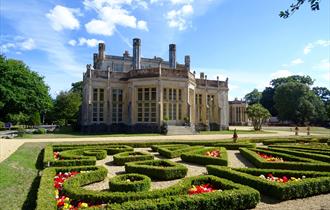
(20, 132)
(235, 146)
(99, 154)
(315, 183)
(40, 131)
(124, 157)
(173, 152)
(199, 157)
(129, 183)
(254, 158)
(155, 147)
(157, 169)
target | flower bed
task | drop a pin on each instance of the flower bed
(157, 169)
(314, 183)
(270, 158)
(280, 179)
(292, 162)
(235, 146)
(124, 157)
(206, 156)
(129, 183)
(173, 152)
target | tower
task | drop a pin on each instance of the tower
(136, 53)
(101, 51)
(172, 56)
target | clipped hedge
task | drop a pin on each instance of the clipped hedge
(173, 152)
(233, 196)
(315, 183)
(319, 157)
(235, 146)
(46, 191)
(259, 162)
(124, 157)
(129, 183)
(320, 149)
(199, 157)
(155, 147)
(157, 169)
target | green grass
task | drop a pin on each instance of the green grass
(313, 130)
(19, 180)
(238, 132)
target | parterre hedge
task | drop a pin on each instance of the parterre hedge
(235, 146)
(124, 157)
(259, 162)
(312, 149)
(157, 169)
(155, 147)
(315, 182)
(173, 152)
(129, 183)
(201, 158)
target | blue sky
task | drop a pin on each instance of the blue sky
(245, 41)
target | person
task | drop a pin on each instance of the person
(296, 131)
(308, 131)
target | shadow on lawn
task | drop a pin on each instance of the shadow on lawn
(31, 199)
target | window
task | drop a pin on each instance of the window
(172, 103)
(117, 105)
(180, 95)
(118, 67)
(147, 106)
(98, 105)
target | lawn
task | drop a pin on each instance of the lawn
(19, 180)
(238, 132)
(313, 130)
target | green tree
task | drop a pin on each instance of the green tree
(66, 107)
(253, 97)
(314, 4)
(35, 119)
(22, 91)
(77, 87)
(307, 80)
(267, 100)
(296, 102)
(258, 115)
(324, 94)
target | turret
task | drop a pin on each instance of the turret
(172, 56)
(136, 53)
(187, 62)
(101, 51)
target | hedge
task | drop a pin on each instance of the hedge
(124, 157)
(319, 157)
(129, 183)
(311, 149)
(157, 169)
(235, 146)
(155, 147)
(259, 162)
(173, 152)
(199, 157)
(233, 196)
(293, 140)
(46, 195)
(315, 183)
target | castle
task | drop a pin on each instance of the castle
(134, 94)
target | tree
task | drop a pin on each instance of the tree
(307, 80)
(296, 102)
(267, 100)
(253, 97)
(22, 91)
(258, 115)
(323, 93)
(77, 87)
(35, 119)
(315, 5)
(66, 107)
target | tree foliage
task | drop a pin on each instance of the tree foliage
(258, 115)
(267, 100)
(77, 87)
(253, 97)
(22, 91)
(66, 107)
(314, 4)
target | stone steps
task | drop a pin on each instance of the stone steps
(179, 130)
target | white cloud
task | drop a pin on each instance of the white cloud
(72, 42)
(100, 27)
(297, 61)
(89, 42)
(323, 65)
(63, 18)
(319, 43)
(141, 24)
(181, 1)
(113, 13)
(178, 18)
(326, 76)
(18, 43)
(281, 73)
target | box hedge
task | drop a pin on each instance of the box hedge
(259, 162)
(173, 152)
(201, 158)
(124, 157)
(129, 183)
(157, 169)
(315, 182)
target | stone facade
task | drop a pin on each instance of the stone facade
(133, 94)
(237, 112)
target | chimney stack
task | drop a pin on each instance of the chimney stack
(136, 53)
(172, 56)
(201, 75)
(187, 62)
(101, 51)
